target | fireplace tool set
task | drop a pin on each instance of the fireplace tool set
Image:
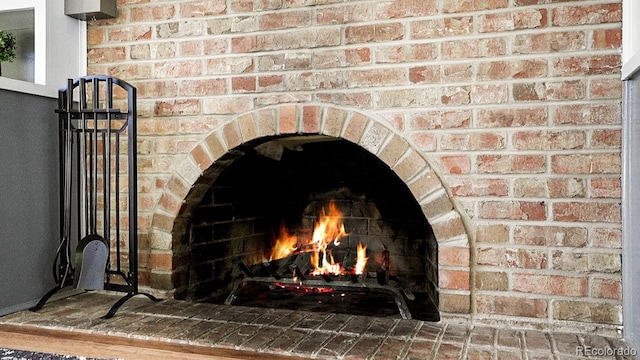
(98, 189)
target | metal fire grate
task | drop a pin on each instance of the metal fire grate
(98, 187)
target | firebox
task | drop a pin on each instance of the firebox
(311, 223)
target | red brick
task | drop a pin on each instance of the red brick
(191, 48)
(375, 77)
(512, 117)
(495, 164)
(605, 89)
(438, 120)
(424, 141)
(492, 234)
(521, 69)
(587, 311)
(606, 237)
(231, 135)
(214, 46)
(374, 33)
(453, 256)
(407, 8)
(489, 94)
(607, 38)
(453, 279)
(160, 261)
(178, 69)
(229, 65)
(284, 20)
(157, 126)
(201, 157)
(589, 14)
(244, 44)
(226, 105)
(270, 83)
(425, 74)
(131, 71)
(430, 29)
(472, 141)
(448, 229)
(606, 288)
(596, 114)
(288, 119)
(357, 56)
(512, 258)
(106, 55)
(344, 14)
(529, 187)
(515, 20)
(549, 42)
(200, 87)
(550, 236)
(492, 280)
(453, 6)
(457, 72)
(551, 140)
(479, 187)
(202, 8)
(449, 303)
(243, 84)
(587, 212)
(567, 188)
(586, 164)
(95, 36)
(512, 306)
(466, 49)
(311, 119)
(455, 164)
(551, 284)
(581, 65)
(605, 188)
(152, 12)
(513, 210)
(576, 262)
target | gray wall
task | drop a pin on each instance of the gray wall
(631, 213)
(28, 198)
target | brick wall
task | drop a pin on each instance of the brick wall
(502, 116)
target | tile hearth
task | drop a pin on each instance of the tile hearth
(301, 334)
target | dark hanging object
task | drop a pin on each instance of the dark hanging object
(97, 141)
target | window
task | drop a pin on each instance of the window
(46, 55)
(20, 20)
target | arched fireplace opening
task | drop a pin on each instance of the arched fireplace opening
(253, 239)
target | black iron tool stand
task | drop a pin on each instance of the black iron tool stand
(98, 148)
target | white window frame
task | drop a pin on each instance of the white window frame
(56, 37)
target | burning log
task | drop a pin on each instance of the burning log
(267, 266)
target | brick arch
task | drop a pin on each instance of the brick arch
(196, 172)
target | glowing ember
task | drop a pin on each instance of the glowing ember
(304, 289)
(327, 232)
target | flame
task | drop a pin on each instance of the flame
(361, 261)
(284, 245)
(328, 229)
(327, 233)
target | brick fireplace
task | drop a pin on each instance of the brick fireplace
(500, 119)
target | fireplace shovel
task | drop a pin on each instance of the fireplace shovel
(90, 258)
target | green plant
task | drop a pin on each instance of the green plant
(7, 46)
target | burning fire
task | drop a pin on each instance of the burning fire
(284, 245)
(327, 233)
